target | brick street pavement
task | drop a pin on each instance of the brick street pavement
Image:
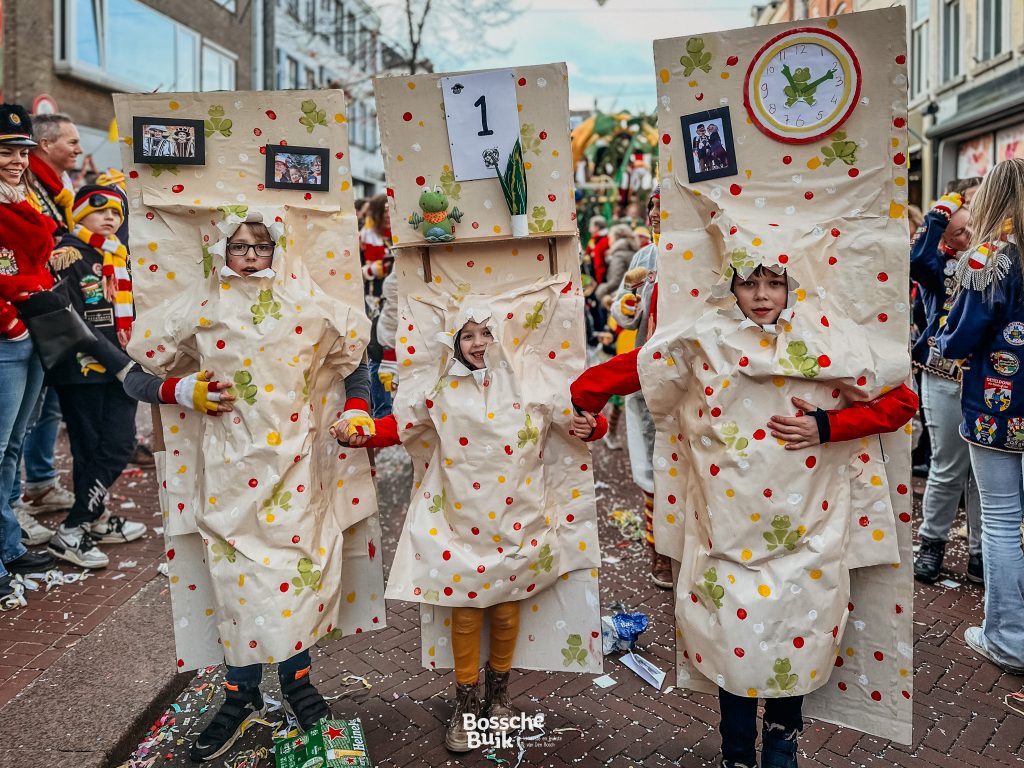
(960, 718)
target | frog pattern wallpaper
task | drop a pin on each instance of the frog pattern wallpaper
(498, 447)
(814, 589)
(304, 564)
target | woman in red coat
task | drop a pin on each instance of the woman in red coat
(26, 241)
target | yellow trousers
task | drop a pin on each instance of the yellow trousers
(466, 626)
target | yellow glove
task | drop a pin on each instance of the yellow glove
(387, 372)
(627, 305)
(192, 391)
(359, 423)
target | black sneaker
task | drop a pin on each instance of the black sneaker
(303, 701)
(928, 563)
(976, 569)
(778, 746)
(30, 562)
(239, 708)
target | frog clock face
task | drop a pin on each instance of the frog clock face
(802, 85)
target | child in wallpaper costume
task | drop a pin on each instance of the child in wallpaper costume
(986, 326)
(285, 552)
(726, 576)
(478, 549)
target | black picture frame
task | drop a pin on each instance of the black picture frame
(275, 152)
(719, 164)
(176, 149)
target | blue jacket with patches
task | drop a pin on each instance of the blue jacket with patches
(986, 327)
(933, 271)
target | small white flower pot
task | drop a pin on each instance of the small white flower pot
(520, 225)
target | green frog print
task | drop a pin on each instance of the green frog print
(308, 578)
(265, 307)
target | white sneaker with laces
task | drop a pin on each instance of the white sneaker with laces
(76, 545)
(114, 529)
(51, 497)
(32, 532)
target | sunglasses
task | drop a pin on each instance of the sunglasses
(100, 201)
(241, 249)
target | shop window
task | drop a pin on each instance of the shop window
(128, 44)
(992, 27)
(227, 5)
(919, 48)
(950, 40)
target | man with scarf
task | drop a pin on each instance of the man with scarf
(100, 417)
(56, 155)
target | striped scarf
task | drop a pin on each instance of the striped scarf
(117, 281)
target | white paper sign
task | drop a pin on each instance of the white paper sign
(482, 114)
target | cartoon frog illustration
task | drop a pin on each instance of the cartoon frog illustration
(540, 222)
(739, 262)
(712, 588)
(223, 550)
(799, 361)
(278, 498)
(528, 434)
(312, 116)
(574, 652)
(780, 534)
(265, 307)
(307, 578)
(544, 560)
(243, 387)
(217, 124)
(800, 88)
(436, 223)
(696, 57)
(438, 503)
(536, 317)
(730, 435)
(840, 149)
(782, 680)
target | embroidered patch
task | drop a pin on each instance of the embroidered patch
(92, 289)
(998, 393)
(1014, 333)
(1004, 362)
(8, 264)
(101, 318)
(985, 429)
(1015, 433)
(97, 269)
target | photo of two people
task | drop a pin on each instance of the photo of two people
(158, 141)
(297, 167)
(707, 137)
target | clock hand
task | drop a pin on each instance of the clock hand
(827, 76)
(789, 75)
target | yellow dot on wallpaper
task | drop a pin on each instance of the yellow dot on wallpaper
(725, 75)
(670, 519)
(340, 118)
(247, 362)
(437, 279)
(225, 286)
(832, 23)
(878, 535)
(801, 294)
(692, 83)
(849, 651)
(491, 515)
(455, 384)
(490, 415)
(752, 693)
(527, 165)
(345, 185)
(687, 255)
(520, 106)
(787, 328)
(411, 86)
(501, 478)
(813, 163)
(756, 240)
(458, 505)
(778, 381)
(764, 590)
(241, 579)
(670, 165)
(895, 143)
(876, 480)
(213, 500)
(422, 124)
(444, 417)
(583, 546)
(205, 322)
(456, 578)
(407, 363)
(170, 275)
(322, 551)
(270, 517)
(899, 181)
(730, 492)
(815, 574)
(664, 215)
(664, 75)
(174, 579)
(350, 597)
(399, 158)
(896, 210)
(725, 383)
(746, 554)
(497, 229)
(534, 607)
(433, 531)
(174, 429)
(672, 471)
(341, 483)
(140, 261)
(755, 517)
(496, 538)
(814, 673)
(209, 611)
(182, 469)
(173, 104)
(274, 438)
(487, 270)
(152, 246)
(554, 153)
(765, 343)
(909, 429)
(904, 672)
(269, 387)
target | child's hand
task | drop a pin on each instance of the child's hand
(340, 432)
(199, 392)
(627, 304)
(583, 425)
(798, 431)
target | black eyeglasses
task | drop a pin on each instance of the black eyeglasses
(241, 249)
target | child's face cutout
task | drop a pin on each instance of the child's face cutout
(474, 338)
(250, 261)
(762, 296)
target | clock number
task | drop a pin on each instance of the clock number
(771, 109)
(820, 115)
(803, 48)
(482, 103)
(799, 122)
(764, 90)
(839, 81)
(835, 100)
(771, 70)
(787, 119)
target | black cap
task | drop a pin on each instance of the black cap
(15, 126)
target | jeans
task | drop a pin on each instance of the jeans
(249, 676)
(739, 722)
(950, 473)
(40, 441)
(101, 431)
(21, 379)
(1001, 478)
(380, 398)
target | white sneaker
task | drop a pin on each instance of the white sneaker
(76, 545)
(51, 497)
(32, 532)
(115, 529)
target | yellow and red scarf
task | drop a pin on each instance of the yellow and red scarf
(117, 281)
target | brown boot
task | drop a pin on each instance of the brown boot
(661, 570)
(467, 702)
(496, 703)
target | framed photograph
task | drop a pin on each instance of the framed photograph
(305, 168)
(168, 141)
(707, 138)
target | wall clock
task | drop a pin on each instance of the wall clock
(802, 85)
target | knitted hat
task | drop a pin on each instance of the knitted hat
(92, 198)
(15, 126)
